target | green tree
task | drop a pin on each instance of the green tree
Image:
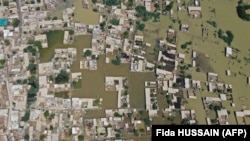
(118, 136)
(176, 85)
(26, 116)
(230, 37)
(51, 127)
(26, 137)
(32, 68)
(155, 107)
(142, 130)
(19, 81)
(189, 76)
(62, 77)
(6, 42)
(71, 32)
(169, 7)
(94, 1)
(114, 21)
(136, 132)
(185, 122)
(117, 61)
(129, 115)
(30, 42)
(198, 69)
(87, 53)
(124, 34)
(54, 18)
(5, 3)
(184, 46)
(81, 137)
(147, 122)
(46, 114)
(140, 26)
(34, 86)
(157, 6)
(116, 114)
(95, 9)
(112, 2)
(130, 3)
(16, 22)
(38, 44)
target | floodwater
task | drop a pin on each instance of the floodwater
(83, 15)
(93, 81)
(93, 84)
(61, 5)
(212, 48)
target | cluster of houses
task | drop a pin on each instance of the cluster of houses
(116, 122)
(119, 84)
(49, 117)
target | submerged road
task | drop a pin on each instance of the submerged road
(20, 18)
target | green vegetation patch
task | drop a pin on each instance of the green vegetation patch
(185, 45)
(77, 84)
(141, 12)
(2, 64)
(62, 77)
(114, 21)
(212, 23)
(227, 36)
(112, 2)
(26, 116)
(241, 10)
(117, 61)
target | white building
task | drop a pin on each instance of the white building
(228, 52)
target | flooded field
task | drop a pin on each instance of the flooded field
(61, 5)
(211, 50)
(215, 51)
(93, 84)
(93, 81)
(83, 15)
(210, 53)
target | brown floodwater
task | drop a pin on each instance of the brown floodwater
(93, 80)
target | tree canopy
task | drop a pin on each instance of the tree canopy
(112, 2)
(46, 114)
(15, 22)
(114, 21)
(140, 26)
(71, 32)
(31, 49)
(32, 68)
(5, 3)
(62, 77)
(227, 36)
(147, 122)
(81, 137)
(38, 44)
(34, 86)
(170, 6)
(117, 61)
(87, 53)
(6, 42)
(241, 11)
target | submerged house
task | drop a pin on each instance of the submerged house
(85, 3)
(194, 12)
